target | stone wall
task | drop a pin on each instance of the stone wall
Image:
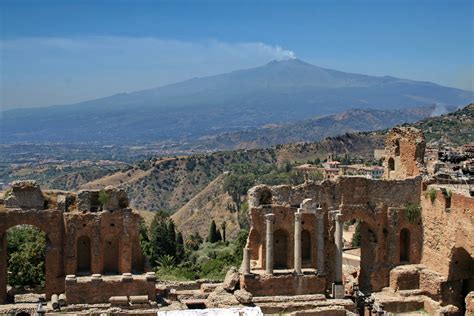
(447, 232)
(404, 153)
(99, 289)
(380, 205)
(76, 228)
(262, 285)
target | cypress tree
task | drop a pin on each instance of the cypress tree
(212, 237)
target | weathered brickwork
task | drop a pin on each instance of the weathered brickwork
(379, 205)
(417, 233)
(83, 237)
(404, 153)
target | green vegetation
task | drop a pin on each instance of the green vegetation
(214, 234)
(357, 237)
(176, 259)
(413, 213)
(432, 194)
(103, 198)
(26, 248)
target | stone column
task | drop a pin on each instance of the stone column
(338, 288)
(297, 250)
(269, 244)
(320, 240)
(246, 262)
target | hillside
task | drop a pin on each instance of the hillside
(211, 203)
(315, 129)
(275, 93)
(172, 182)
(452, 129)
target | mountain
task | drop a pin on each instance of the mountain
(314, 129)
(278, 92)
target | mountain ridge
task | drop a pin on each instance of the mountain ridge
(278, 92)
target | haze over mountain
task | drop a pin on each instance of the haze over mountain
(278, 92)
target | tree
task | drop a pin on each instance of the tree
(212, 236)
(357, 237)
(223, 226)
(26, 250)
(162, 237)
(193, 241)
(180, 247)
(219, 236)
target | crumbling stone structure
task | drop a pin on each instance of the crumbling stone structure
(404, 153)
(90, 233)
(413, 238)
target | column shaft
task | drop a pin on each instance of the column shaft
(338, 240)
(246, 261)
(320, 240)
(297, 250)
(269, 244)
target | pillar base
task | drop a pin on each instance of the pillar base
(337, 291)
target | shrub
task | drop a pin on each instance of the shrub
(103, 197)
(26, 256)
(413, 213)
(432, 194)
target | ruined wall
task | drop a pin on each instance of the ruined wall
(380, 205)
(78, 229)
(262, 285)
(108, 232)
(93, 290)
(404, 153)
(447, 231)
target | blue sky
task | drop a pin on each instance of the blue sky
(59, 52)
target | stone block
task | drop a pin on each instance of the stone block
(26, 195)
(231, 280)
(243, 296)
(117, 199)
(405, 277)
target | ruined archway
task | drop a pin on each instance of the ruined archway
(280, 248)
(391, 164)
(111, 255)
(306, 247)
(405, 246)
(460, 277)
(83, 255)
(52, 224)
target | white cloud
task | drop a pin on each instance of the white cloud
(53, 70)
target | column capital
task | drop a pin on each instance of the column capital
(269, 216)
(297, 216)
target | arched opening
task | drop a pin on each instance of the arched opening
(26, 248)
(111, 255)
(306, 247)
(397, 147)
(391, 164)
(404, 246)
(460, 277)
(83, 255)
(280, 249)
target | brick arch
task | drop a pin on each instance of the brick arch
(371, 238)
(51, 223)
